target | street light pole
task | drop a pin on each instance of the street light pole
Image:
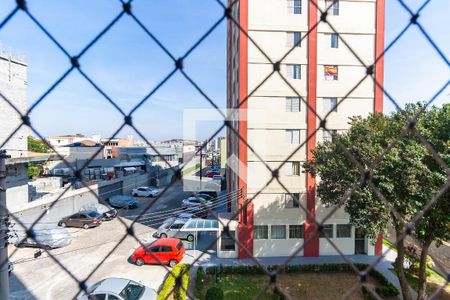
(4, 276)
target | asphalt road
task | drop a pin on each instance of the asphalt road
(43, 278)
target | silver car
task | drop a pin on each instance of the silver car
(118, 288)
(171, 228)
(46, 236)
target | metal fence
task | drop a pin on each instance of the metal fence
(75, 65)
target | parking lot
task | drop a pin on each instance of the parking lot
(33, 278)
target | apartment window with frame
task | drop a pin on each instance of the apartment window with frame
(330, 105)
(331, 73)
(343, 230)
(277, 232)
(327, 231)
(334, 40)
(294, 7)
(328, 135)
(292, 168)
(292, 136)
(293, 71)
(292, 200)
(261, 232)
(334, 9)
(293, 39)
(296, 231)
(292, 104)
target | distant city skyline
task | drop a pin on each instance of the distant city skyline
(127, 64)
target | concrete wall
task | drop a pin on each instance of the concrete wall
(13, 85)
(69, 203)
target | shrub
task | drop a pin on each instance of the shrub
(201, 276)
(387, 291)
(214, 293)
(176, 281)
(367, 294)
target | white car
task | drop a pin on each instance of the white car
(193, 201)
(118, 288)
(145, 191)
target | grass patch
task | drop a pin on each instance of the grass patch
(434, 281)
(190, 169)
(298, 281)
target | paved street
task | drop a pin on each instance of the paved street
(33, 278)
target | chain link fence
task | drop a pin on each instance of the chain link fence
(75, 64)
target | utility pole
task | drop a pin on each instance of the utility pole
(4, 276)
(201, 165)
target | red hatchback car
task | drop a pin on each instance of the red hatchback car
(165, 250)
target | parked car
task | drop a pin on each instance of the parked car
(171, 228)
(118, 289)
(122, 201)
(205, 196)
(212, 193)
(83, 219)
(108, 213)
(212, 173)
(145, 191)
(167, 251)
(195, 201)
(45, 236)
(215, 168)
(217, 177)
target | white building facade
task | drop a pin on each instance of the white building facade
(318, 69)
(13, 86)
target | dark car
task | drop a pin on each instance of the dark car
(209, 192)
(107, 213)
(83, 219)
(122, 201)
(211, 174)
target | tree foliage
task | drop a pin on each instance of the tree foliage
(36, 145)
(406, 175)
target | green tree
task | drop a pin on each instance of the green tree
(407, 175)
(435, 224)
(36, 145)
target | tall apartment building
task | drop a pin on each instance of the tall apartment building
(13, 86)
(275, 121)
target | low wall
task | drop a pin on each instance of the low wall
(69, 203)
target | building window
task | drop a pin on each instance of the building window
(277, 232)
(292, 136)
(334, 9)
(293, 39)
(292, 168)
(334, 40)
(331, 73)
(261, 232)
(328, 135)
(329, 105)
(294, 7)
(226, 242)
(293, 71)
(327, 231)
(292, 200)
(292, 104)
(296, 231)
(343, 230)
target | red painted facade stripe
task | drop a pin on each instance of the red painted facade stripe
(312, 248)
(379, 48)
(229, 99)
(245, 228)
(379, 77)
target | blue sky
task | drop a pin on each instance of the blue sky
(126, 64)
